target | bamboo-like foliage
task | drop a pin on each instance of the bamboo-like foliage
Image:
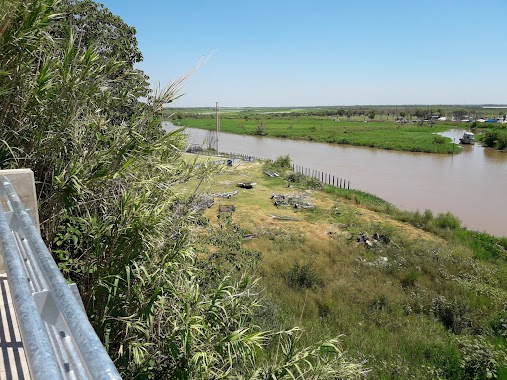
(114, 222)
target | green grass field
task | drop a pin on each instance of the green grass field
(426, 301)
(376, 134)
(200, 158)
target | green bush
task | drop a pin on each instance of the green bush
(480, 359)
(408, 281)
(499, 324)
(452, 314)
(296, 177)
(495, 139)
(447, 221)
(428, 215)
(305, 181)
(313, 183)
(489, 138)
(303, 277)
(485, 246)
(283, 162)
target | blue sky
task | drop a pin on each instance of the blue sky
(324, 52)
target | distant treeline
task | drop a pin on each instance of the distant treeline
(372, 112)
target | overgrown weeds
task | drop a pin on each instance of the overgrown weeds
(112, 213)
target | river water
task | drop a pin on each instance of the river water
(471, 185)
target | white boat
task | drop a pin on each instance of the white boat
(468, 138)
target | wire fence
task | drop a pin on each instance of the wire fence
(325, 178)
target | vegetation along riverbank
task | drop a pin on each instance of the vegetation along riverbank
(415, 295)
(492, 135)
(380, 127)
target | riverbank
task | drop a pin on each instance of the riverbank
(417, 296)
(373, 134)
(471, 185)
(492, 136)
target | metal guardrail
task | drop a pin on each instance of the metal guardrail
(59, 341)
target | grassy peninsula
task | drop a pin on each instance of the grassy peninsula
(425, 298)
(300, 125)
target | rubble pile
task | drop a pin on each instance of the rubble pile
(294, 200)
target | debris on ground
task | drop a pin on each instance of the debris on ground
(381, 238)
(271, 174)
(371, 241)
(366, 239)
(225, 195)
(248, 236)
(283, 217)
(198, 204)
(379, 262)
(294, 200)
(226, 208)
(246, 185)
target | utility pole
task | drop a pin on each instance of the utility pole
(218, 124)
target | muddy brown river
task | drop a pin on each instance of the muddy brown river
(471, 185)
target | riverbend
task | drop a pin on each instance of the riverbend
(471, 185)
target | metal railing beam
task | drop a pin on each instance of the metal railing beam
(88, 357)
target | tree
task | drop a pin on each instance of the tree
(420, 114)
(371, 114)
(113, 217)
(110, 38)
(460, 113)
(259, 129)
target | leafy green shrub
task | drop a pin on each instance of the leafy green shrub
(428, 215)
(499, 324)
(489, 138)
(484, 245)
(408, 281)
(313, 183)
(303, 180)
(303, 277)
(495, 139)
(502, 141)
(452, 314)
(283, 162)
(447, 221)
(259, 129)
(480, 359)
(296, 177)
(446, 360)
